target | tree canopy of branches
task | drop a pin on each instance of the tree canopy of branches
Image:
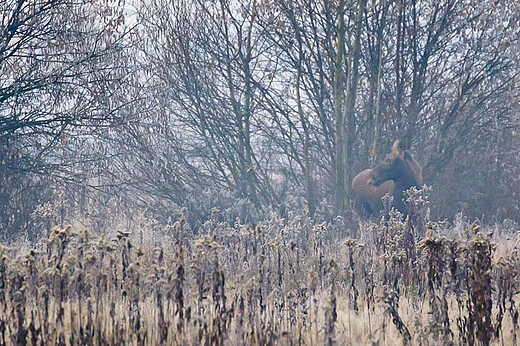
(271, 99)
(61, 66)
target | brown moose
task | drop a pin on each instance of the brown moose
(395, 174)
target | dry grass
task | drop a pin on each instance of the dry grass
(278, 282)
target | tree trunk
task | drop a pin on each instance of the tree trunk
(350, 109)
(339, 133)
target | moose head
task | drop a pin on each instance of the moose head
(395, 174)
(398, 166)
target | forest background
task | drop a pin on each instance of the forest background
(112, 110)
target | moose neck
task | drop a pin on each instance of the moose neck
(407, 180)
(403, 183)
(398, 201)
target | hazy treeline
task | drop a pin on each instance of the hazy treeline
(193, 104)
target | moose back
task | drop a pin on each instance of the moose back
(395, 174)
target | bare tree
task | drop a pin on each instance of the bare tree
(60, 68)
(267, 99)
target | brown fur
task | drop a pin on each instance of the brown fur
(368, 196)
(395, 174)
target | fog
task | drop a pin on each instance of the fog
(172, 109)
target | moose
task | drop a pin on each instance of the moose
(395, 174)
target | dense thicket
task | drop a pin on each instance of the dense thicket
(280, 282)
(255, 105)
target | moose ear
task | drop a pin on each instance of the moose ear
(397, 149)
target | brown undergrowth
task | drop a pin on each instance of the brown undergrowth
(278, 282)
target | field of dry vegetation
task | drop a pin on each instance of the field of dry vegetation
(282, 281)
